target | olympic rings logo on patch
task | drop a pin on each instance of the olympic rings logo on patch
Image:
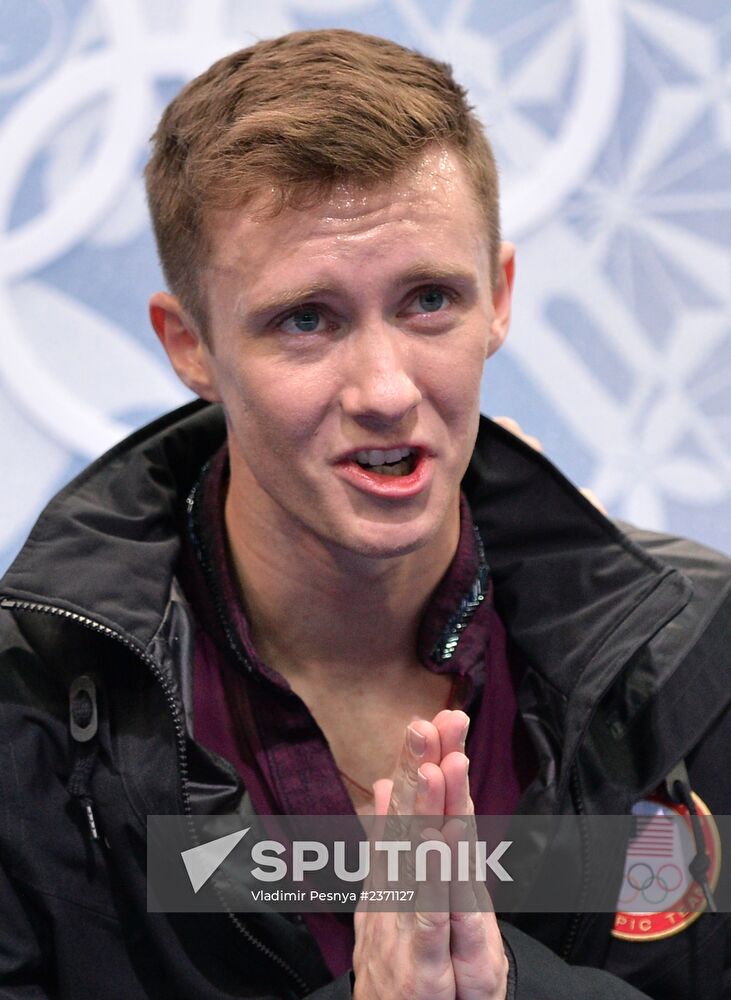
(641, 879)
(658, 896)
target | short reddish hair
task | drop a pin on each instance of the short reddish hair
(296, 115)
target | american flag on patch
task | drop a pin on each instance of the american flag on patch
(652, 837)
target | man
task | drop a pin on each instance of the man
(286, 596)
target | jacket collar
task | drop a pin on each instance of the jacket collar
(106, 546)
(578, 597)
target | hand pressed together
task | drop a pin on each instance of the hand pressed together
(450, 948)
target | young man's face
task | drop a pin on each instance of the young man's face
(347, 347)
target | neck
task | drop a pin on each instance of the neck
(319, 613)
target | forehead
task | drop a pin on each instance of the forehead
(437, 180)
(435, 188)
(429, 209)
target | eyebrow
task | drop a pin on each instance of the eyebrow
(290, 298)
(437, 273)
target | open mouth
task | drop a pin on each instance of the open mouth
(395, 462)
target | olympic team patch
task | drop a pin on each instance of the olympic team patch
(659, 896)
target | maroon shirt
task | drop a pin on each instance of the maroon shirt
(247, 713)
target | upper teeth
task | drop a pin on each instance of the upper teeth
(376, 457)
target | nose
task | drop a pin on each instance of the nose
(378, 385)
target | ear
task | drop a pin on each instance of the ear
(188, 353)
(502, 298)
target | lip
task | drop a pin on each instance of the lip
(388, 487)
(349, 455)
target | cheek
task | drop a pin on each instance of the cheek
(274, 404)
(456, 380)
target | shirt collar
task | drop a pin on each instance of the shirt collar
(452, 633)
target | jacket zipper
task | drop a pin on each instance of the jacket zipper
(50, 609)
(576, 918)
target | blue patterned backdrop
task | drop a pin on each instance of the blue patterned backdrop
(612, 124)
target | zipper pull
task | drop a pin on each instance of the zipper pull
(84, 723)
(83, 715)
(93, 829)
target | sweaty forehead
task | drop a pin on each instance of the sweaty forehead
(435, 179)
(434, 187)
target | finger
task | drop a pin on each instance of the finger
(376, 827)
(594, 499)
(452, 726)
(478, 957)
(421, 746)
(382, 795)
(466, 893)
(431, 918)
(430, 791)
(457, 798)
(377, 830)
(476, 947)
(509, 424)
(461, 892)
(458, 802)
(428, 811)
(514, 427)
(430, 939)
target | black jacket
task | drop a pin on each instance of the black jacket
(629, 672)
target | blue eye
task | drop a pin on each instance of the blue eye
(305, 320)
(431, 300)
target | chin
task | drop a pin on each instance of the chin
(389, 542)
(382, 551)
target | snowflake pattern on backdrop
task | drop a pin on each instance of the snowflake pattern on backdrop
(611, 121)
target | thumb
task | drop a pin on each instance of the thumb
(382, 795)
